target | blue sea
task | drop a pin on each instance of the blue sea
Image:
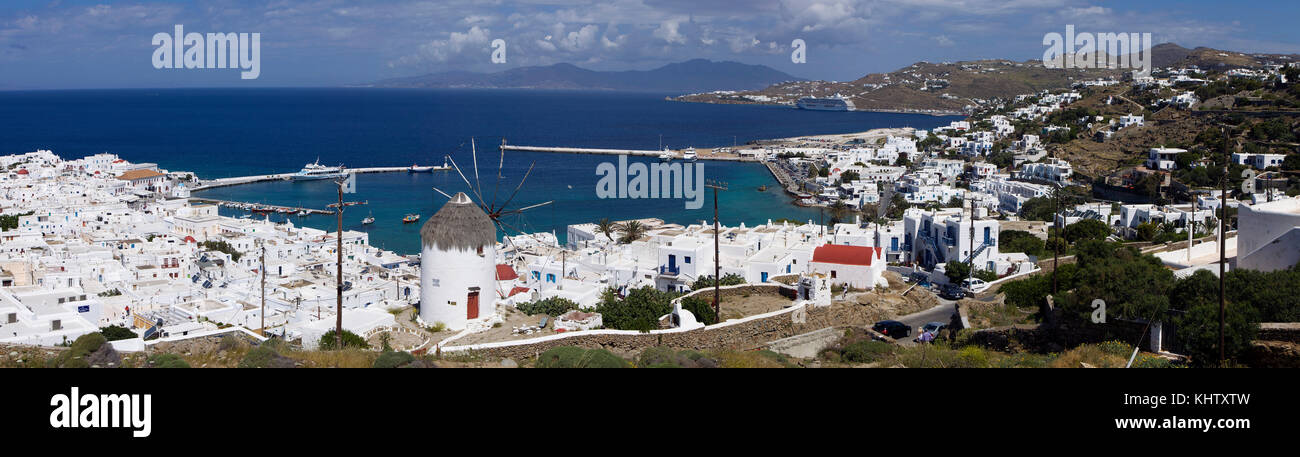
(236, 132)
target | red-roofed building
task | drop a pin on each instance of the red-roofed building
(858, 266)
(505, 273)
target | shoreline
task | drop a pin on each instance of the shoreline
(938, 113)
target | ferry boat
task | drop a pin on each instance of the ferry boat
(410, 218)
(836, 103)
(689, 154)
(314, 171)
(430, 168)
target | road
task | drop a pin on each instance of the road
(940, 313)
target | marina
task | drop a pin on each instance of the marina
(263, 208)
(234, 181)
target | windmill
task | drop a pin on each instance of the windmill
(497, 209)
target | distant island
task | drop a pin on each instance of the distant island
(694, 75)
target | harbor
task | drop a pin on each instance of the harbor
(263, 208)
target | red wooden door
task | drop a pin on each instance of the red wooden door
(473, 305)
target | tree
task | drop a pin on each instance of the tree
(553, 306)
(1038, 209)
(897, 204)
(117, 332)
(607, 228)
(849, 176)
(350, 340)
(1091, 229)
(639, 310)
(632, 230)
(1020, 241)
(222, 246)
(1199, 331)
(701, 308)
(729, 279)
(956, 271)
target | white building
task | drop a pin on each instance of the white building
(1269, 235)
(855, 266)
(1163, 158)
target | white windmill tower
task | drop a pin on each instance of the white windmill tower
(458, 258)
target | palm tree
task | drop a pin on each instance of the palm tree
(606, 227)
(631, 231)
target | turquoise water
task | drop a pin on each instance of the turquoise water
(237, 132)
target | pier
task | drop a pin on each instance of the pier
(631, 152)
(224, 182)
(259, 207)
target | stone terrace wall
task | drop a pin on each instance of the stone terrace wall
(744, 334)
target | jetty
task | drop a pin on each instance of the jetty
(677, 155)
(224, 182)
(261, 207)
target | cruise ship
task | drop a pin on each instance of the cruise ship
(836, 103)
(315, 170)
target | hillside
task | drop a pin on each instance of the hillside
(960, 87)
(692, 75)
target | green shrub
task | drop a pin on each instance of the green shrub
(553, 306)
(701, 308)
(393, 359)
(350, 340)
(265, 357)
(167, 361)
(88, 343)
(600, 358)
(866, 351)
(575, 357)
(117, 332)
(560, 357)
(655, 355)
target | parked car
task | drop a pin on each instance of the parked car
(952, 291)
(974, 285)
(893, 329)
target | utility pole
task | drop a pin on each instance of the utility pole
(970, 262)
(262, 329)
(1223, 241)
(338, 213)
(717, 234)
(1056, 250)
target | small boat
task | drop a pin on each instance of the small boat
(666, 156)
(419, 169)
(368, 220)
(762, 188)
(302, 213)
(410, 218)
(689, 155)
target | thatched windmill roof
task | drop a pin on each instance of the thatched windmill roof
(460, 224)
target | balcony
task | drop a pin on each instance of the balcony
(665, 270)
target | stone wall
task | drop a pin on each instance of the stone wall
(743, 335)
(1279, 331)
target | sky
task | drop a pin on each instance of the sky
(71, 44)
